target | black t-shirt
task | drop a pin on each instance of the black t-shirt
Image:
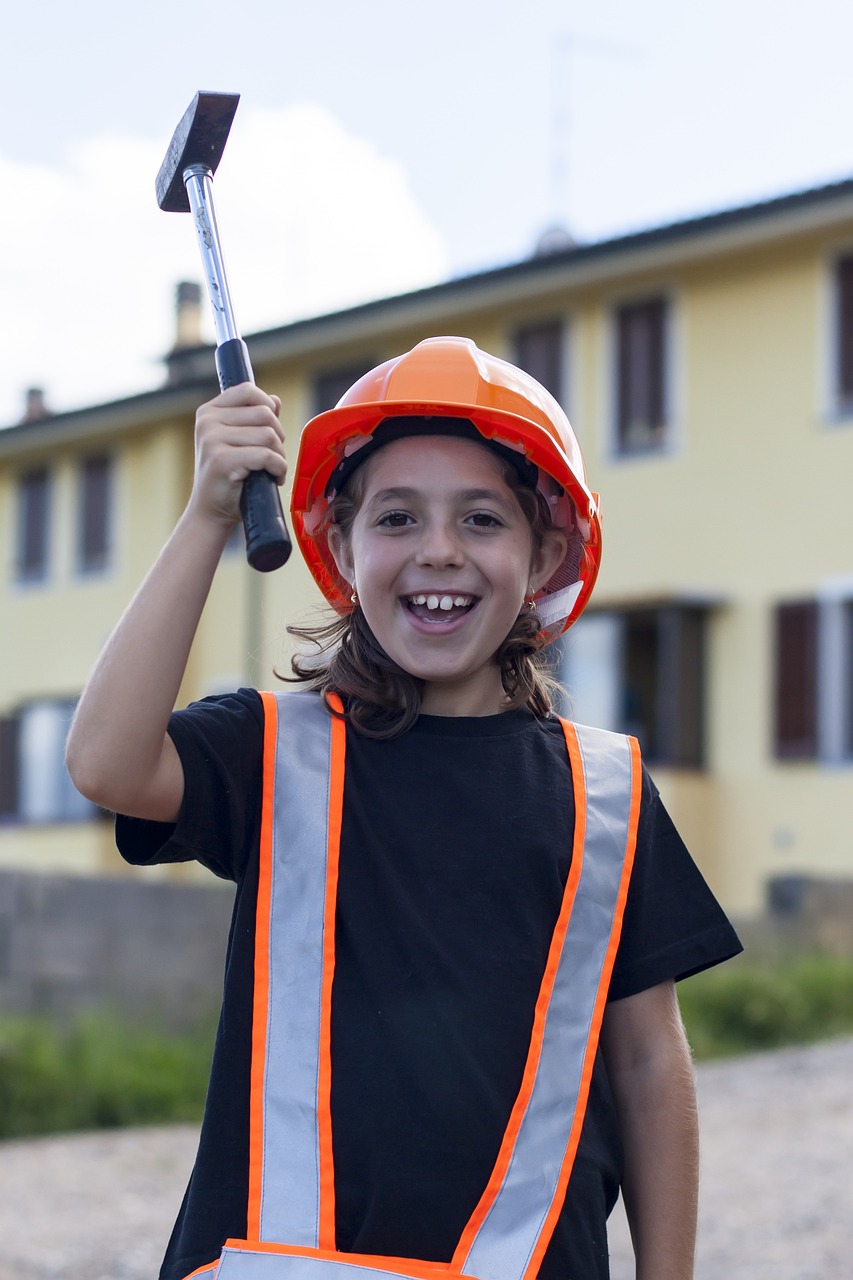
(455, 849)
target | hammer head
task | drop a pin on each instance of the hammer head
(199, 139)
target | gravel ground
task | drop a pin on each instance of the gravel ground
(776, 1184)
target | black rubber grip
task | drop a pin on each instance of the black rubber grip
(267, 540)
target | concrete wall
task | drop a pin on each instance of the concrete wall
(70, 944)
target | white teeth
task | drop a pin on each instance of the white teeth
(445, 603)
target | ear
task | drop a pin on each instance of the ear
(342, 554)
(548, 558)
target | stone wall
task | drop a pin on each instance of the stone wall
(73, 944)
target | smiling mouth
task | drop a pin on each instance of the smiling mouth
(435, 607)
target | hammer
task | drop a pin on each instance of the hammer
(184, 184)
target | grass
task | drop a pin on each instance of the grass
(98, 1074)
(747, 1006)
(102, 1073)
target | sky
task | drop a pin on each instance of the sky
(379, 146)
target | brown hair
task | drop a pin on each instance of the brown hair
(381, 699)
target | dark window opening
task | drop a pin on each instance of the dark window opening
(641, 375)
(94, 516)
(33, 525)
(331, 384)
(664, 677)
(538, 350)
(642, 671)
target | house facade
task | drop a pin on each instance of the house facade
(707, 367)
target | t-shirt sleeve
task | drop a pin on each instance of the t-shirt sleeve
(673, 925)
(220, 744)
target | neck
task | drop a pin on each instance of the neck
(473, 698)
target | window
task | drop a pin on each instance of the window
(34, 783)
(538, 350)
(94, 513)
(641, 376)
(8, 767)
(331, 384)
(844, 333)
(813, 678)
(642, 671)
(33, 532)
(795, 694)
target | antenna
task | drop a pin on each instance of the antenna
(565, 46)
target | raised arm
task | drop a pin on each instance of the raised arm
(651, 1075)
(119, 754)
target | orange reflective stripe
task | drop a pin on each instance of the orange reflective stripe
(208, 1270)
(337, 765)
(556, 1207)
(261, 975)
(507, 1147)
(292, 1192)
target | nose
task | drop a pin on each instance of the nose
(439, 546)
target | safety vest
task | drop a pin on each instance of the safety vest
(291, 1204)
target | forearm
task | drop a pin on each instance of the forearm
(661, 1178)
(119, 754)
(117, 738)
(651, 1076)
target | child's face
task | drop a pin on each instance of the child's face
(442, 557)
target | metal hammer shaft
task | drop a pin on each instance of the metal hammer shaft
(199, 187)
(185, 182)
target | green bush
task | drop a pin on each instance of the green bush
(98, 1074)
(102, 1073)
(748, 1006)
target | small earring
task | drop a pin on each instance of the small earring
(354, 598)
(530, 601)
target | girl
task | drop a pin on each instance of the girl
(449, 1029)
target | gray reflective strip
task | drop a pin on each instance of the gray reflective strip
(503, 1246)
(290, 1189)
(245, 1264)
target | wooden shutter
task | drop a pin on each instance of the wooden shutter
(539, 352)
(844, 330)
(795, 687)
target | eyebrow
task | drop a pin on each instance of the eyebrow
(408, 494)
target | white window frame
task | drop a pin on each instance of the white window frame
(835, 672)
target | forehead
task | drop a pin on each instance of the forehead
(417, 461)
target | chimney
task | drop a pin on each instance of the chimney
(187, 316)
(36, 406)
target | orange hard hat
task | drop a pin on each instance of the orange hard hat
(450, 378)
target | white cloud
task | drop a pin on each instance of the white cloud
(312, 219)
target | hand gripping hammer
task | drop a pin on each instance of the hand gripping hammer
(184, 184)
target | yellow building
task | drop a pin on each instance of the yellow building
(708, 369)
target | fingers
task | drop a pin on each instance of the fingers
(236, 433)
(242, 406)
